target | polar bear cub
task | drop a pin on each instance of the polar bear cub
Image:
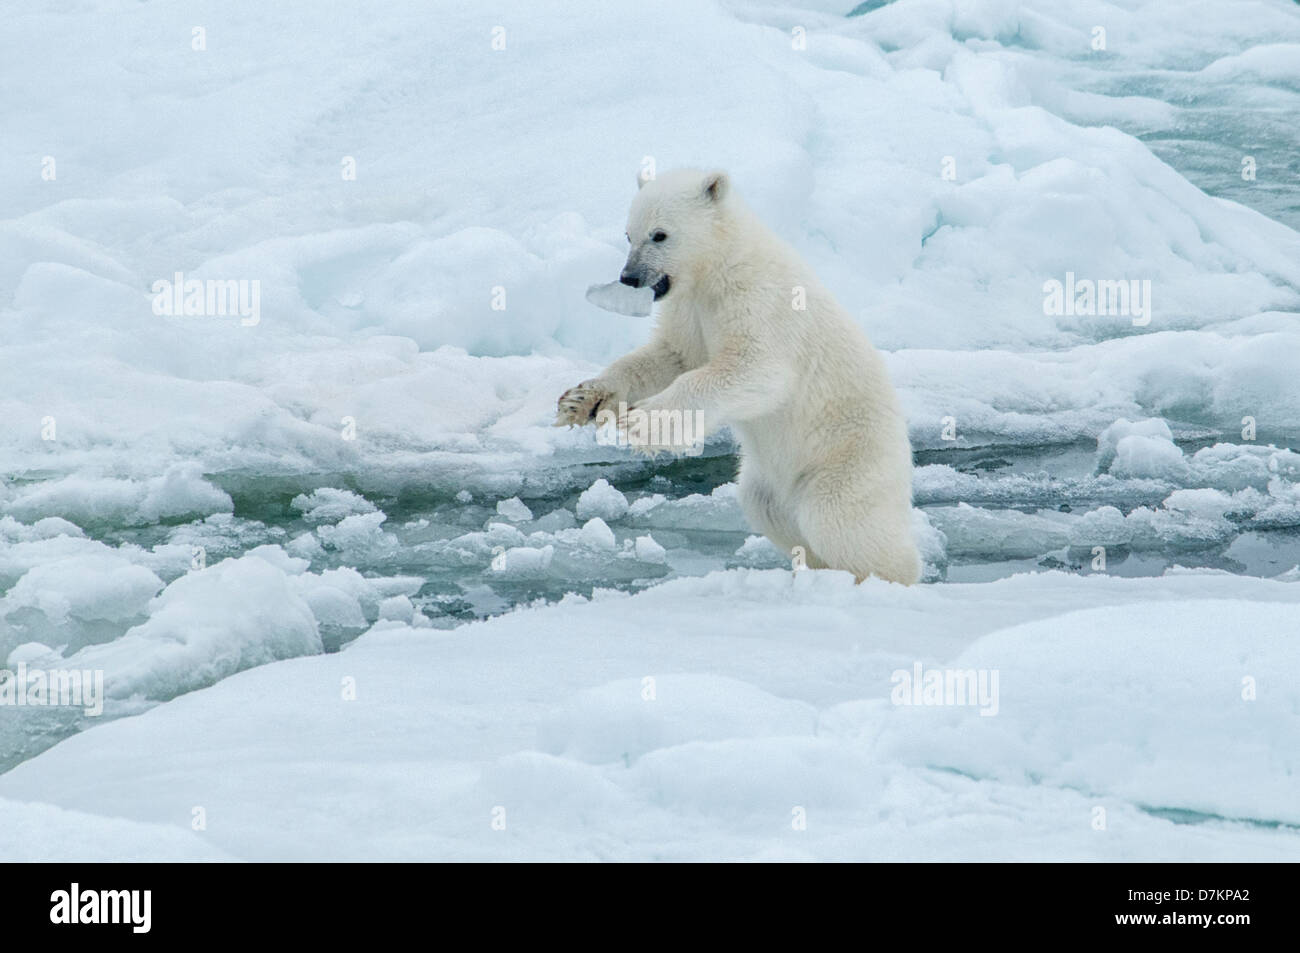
(746, 336)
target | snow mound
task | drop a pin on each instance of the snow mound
(601, 499)
(33, 833)
(753, 716)
(181, 492)
(1157, 703)
(205, 626)
(628, 718)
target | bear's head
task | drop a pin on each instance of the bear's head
(672, 227)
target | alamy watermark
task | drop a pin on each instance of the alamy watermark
(1084, 296)
(56, 688)
(129, 907)
(681, 431)
(946, 686)
(209, 297)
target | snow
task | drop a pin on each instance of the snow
(647, 550)
(1153, 433)
(396, 609)
(229, 517)
(1153, 457)
(514, 510)
(602, 737)
(525, 560)
(97, 585)
(38, 833)
(205, 626)
(1167, 720)
(377, 292)
(358, 535)
(330, 505)
(180, 492)
(603, 500)
(597, 534)
(720, 509)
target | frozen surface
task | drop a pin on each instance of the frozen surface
(35, 833)
(227, 515)
(435, 300)
(705, 718)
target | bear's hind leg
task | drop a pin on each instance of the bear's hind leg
(765, 513)
(863, 539)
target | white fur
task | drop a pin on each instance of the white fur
(825, 461)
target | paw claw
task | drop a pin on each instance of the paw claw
(578, 405)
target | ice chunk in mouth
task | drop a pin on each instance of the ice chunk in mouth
(622, 299)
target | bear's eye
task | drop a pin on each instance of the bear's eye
(658, 236)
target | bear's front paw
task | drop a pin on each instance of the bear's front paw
(579, 405)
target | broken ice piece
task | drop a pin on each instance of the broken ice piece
(622, 299)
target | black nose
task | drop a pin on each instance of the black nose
(632, 281)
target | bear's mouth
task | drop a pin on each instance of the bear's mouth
(661, 287)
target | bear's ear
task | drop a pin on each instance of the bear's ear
(716, 185)
(643, 176)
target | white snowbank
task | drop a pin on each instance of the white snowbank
(42, 834)
(1160, 705)
(422, 318)
(180, 492)
(703, 717)
(207, 625)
